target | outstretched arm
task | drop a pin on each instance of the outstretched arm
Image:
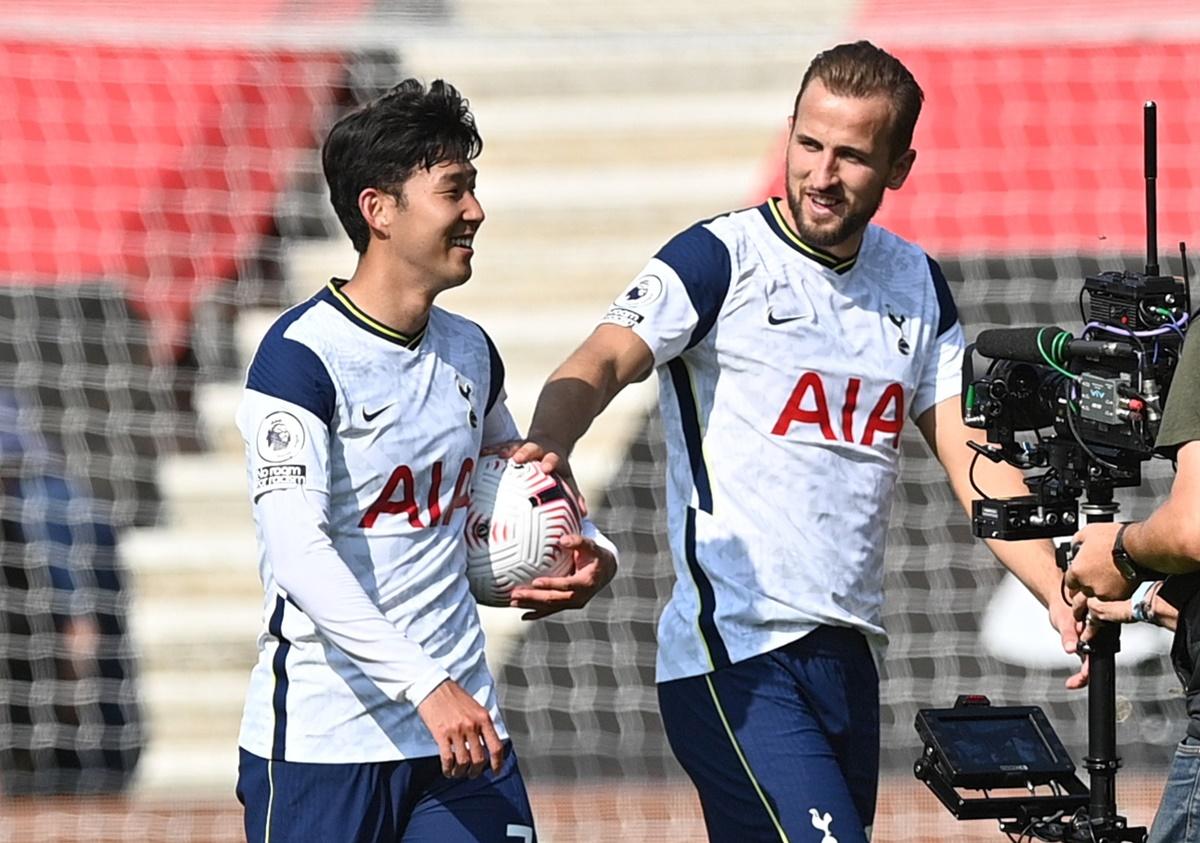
(609, 360)
(1032, 562)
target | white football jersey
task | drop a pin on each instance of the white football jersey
(360, 444)
(785, 377)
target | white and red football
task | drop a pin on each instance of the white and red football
(516, 517)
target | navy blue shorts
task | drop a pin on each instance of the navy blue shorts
(783, 746)
(387, 802)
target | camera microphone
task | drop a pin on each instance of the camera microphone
(1046, 345)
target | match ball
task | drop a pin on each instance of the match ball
(516, 517)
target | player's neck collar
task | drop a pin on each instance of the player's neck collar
(334, 295)
(777, 223)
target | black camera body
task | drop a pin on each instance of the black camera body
(1085, 412)
(1092, 405)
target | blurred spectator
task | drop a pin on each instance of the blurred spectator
(69, 720)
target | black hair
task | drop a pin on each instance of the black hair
(382, 143)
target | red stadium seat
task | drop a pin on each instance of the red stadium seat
(156, 167)
(1038, 148)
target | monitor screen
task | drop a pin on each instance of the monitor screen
(1010, 744)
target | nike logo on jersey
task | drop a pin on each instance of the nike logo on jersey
(780, 320)
(370, 417)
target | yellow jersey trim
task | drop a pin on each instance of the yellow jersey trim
(404, 339)
(826, 260)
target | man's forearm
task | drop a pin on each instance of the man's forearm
(585, 383)
(565, 410)
(1169, 540)
(1032, 561)
(1165, 541)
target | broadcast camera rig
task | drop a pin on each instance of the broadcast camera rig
(1090, 408)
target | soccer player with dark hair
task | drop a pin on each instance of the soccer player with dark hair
(791, 340)
(371, 713)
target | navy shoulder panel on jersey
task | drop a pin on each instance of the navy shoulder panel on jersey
(496, 367)
(947, 311)
(291, 371)
(702, 262)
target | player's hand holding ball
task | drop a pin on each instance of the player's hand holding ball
(592, 567)
(524, 547)
(547, 455)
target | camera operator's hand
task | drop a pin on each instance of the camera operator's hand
(1092, 571)
(1092, 620)
(1067, 619)
(1154, 610)
(1110, 611)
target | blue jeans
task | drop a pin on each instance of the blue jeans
(1178, 817)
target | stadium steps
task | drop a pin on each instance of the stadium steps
(596, 151)
(623, 16)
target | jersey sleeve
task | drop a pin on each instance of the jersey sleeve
(498, 423)
(589, 530)
(675, 301)
(285, 417)
(941, 374)
(294, 526)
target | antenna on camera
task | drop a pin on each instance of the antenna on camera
(1187, 281)
(1149, 114)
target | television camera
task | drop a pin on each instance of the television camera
(1085, 412)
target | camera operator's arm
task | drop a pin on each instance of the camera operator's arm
(1146, 606)
(1032, 562)
(1167, 542)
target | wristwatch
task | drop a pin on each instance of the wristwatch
(1130, 570)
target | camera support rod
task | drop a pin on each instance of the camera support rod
(1149, 124)
(1102, 761)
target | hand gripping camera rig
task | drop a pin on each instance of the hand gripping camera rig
(1090, 409)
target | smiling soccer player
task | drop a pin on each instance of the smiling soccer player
(371, 714)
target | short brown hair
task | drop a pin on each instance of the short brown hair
(863, 70)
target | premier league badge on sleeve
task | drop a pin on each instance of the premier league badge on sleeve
(645, 290)
(280, 437)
